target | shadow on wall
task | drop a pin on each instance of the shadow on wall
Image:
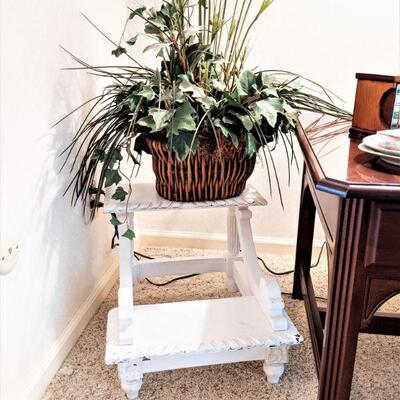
(70, 250)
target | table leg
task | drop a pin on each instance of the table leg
(305, 236)
(344, 307)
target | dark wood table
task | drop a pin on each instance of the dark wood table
(358, 203)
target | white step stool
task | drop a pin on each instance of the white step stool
(159, 337)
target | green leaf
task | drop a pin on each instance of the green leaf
(218, 84)
(245, 83)
(118, 51)
(114, 221)
(246, 121)
(99, 154)
(137, 11)
(183, 144)
(132, 40)
(115, 156)
(119, 194)
(227, 132)
(251, 145)
(157, 119)
(112, 177)
(146, 92)
(156, 46)
(269, 109)
(129, 234)
(206, 101)
(290, 113)
(264, 5)
(133, 101)
(182, 119)
(267, 79)
(187, 86)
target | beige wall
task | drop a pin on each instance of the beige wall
(63, 268)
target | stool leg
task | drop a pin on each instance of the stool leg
(274, 364)
(126, 281)
(264, 288)
(131, 377)
(232, 251)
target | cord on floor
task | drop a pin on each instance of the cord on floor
(138, 256)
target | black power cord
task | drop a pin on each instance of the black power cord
(138, 256)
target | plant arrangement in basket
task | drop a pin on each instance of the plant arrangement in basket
(201, 114)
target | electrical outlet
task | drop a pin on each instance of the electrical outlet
(8, 260)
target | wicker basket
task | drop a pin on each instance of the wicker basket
(209, 174)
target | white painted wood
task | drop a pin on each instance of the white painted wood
(181, 266)
(233, 248)
(127, 279)
(196, 327)
(265, 289)
(131, 377)
(145, 198)
(159, 337)
(274, 364)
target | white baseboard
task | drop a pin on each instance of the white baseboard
(264, 244)
(59, 351)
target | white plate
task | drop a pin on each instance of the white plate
(389, 159)
(383, 144)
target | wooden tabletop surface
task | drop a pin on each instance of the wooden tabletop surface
(339, 167)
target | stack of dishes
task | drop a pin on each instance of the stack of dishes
(385, 144)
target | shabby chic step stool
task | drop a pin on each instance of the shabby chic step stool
(158, 337)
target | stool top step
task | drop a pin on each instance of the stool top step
(145, 198)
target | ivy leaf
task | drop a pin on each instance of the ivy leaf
(132, 40)
(246, 121)
(137, 12)
(182, 144)
(157, 119)
(268, 92)
(114, 221)
(245, 83)
(129, 234)
(99, 154)
(269, 109)
(182, 119)
(118, 51)
(206, 101)
(216, 84)
(146, 92)
(227, 132)
(115, 156)
(119, 194)
(251, 145)
(133, 101)
(112, 176)
(187, 86)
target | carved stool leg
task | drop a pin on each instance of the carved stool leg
(131, 377)
(274, 364)
(232, 251)
(126, 281)
(264, 288)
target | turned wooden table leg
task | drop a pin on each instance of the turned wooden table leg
(345, 306)
(305, 236)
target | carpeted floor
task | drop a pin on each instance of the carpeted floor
(85, 376)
